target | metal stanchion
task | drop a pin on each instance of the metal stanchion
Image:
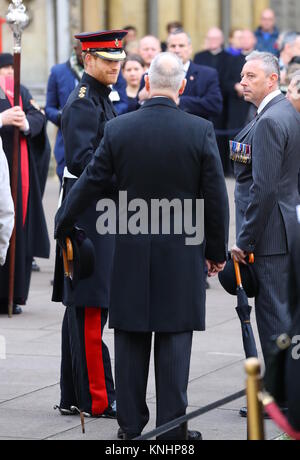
(255, 408)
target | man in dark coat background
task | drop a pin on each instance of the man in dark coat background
(217, 58)
(158, 280)
(32, 236)
(202, 95)
(84, 117)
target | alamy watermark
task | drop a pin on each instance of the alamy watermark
(2, 347)
(296, 347)
(156, 217)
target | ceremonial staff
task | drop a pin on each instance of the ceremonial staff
(17, 20)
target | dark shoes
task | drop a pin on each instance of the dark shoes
(66, 412)
(125, 436)
(110, 412)
(244, 412)
(192, 435)
(17, 310)
(35, 267)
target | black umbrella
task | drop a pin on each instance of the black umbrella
(244, 311)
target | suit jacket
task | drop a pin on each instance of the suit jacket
(62, 81)
(221, 62)
(158, 282)
(267, 187)
(202, 96)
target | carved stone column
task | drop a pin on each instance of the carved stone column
(208, 15)
(242, 14)
(93, 15)
(123, 12)
(259, 6)
(75, 17)
(189, 18)
(168, 10)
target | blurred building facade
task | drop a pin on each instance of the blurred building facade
(48, 39)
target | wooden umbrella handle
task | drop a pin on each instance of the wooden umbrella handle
(70, 253)
(251, 259)
(237, 272)
(68, 256)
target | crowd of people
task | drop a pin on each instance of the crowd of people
(247, 93)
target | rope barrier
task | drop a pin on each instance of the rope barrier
(183, 420)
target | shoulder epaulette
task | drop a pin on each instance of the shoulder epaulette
(82, 92)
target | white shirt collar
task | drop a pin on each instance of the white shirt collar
(186, 66)
(268, 99)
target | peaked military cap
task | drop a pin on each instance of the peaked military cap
(250, 282)
(81, 264)
(107, 44)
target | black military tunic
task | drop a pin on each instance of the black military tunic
(83, 121)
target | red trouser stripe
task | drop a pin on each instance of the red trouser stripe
(94, 359)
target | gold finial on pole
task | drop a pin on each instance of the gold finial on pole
(255, 409)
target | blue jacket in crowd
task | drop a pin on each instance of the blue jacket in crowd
(267, 42)
(61, 83)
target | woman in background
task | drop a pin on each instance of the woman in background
(133, 71)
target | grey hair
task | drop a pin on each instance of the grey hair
(166, 72)
(296, 80)
(289, 38)
(270, 62)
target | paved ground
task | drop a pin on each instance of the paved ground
(29, 376)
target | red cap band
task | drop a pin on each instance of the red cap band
(115, 44)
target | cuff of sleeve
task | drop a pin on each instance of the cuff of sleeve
(26, 131)
(248, 247)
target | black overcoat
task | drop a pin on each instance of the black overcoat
(31, 240)
(84, 117)
(158, 282)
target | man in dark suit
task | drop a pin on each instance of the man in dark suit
(266, 157)
(158, 281)
(202, 95)
(214, 56)
(217, 58)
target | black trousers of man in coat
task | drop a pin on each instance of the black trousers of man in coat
(172, 353)
(86, 377)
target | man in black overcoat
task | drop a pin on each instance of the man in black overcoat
(158, 279)
(83, 120)
(31, 229)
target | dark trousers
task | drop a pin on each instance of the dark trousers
(172, 353)
(86, 376)
(271, 304)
